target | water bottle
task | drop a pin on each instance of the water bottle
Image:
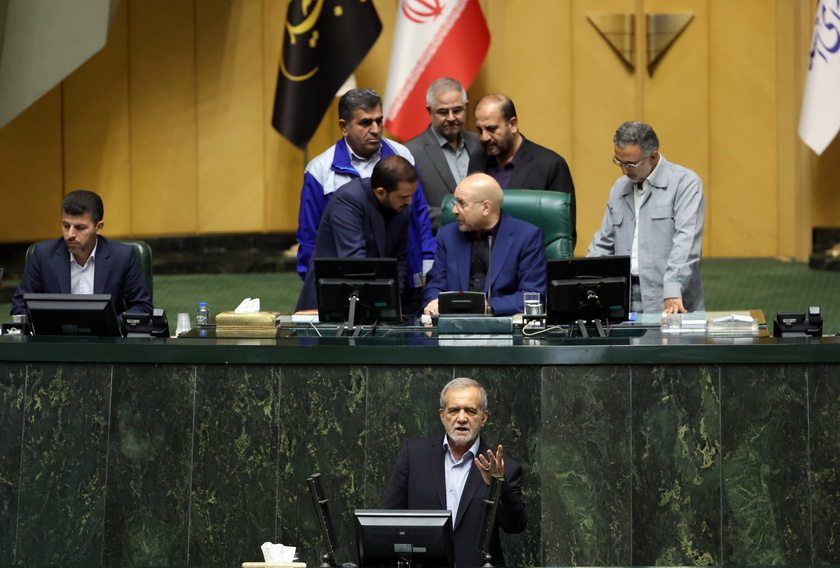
(202, 316)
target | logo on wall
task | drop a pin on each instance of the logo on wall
(422, 11)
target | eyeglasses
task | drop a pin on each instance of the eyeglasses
(621, 164)
(445, 111)
(460, 204)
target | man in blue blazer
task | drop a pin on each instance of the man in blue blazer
(366, 218)
(487, 250)
(84, 262)
(454, 472)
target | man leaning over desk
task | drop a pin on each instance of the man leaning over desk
(82, 261)
(655, 215)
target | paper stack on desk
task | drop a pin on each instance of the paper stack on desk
(692, 322)
(737, 323)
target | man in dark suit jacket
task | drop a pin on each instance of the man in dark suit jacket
(486, 239)
(83, 261)
(366, 218)
(442, 151)
(454, 472)
(516, 162)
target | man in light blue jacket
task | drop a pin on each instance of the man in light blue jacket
(654, 215)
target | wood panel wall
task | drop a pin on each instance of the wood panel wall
(170, 123)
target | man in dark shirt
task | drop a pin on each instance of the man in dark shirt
(513, 160)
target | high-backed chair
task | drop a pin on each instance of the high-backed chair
(548, 210)
(142, 251)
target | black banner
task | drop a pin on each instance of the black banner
(323, 43)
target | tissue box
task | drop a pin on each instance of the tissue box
(255, 319)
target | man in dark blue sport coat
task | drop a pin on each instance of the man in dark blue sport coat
(453, 471)
(513, 250)
(366, 218)
(114, 266)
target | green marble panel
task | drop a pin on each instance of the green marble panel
(824, 395)
(234, 468)
(586, 466)
(513, 395)
(149, 455)
(322, 430)
(676, 457)
(63, 465)
(766, 506)
(12, 390)
(403, 404)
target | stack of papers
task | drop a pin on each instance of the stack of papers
(692, 322)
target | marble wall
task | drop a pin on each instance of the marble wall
(184, 465)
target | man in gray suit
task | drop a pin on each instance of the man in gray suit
(655, 215)
(442, 151)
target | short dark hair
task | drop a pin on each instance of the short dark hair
(637, 134)
(81, 202)
(390, 171)
(365, 99)
(506, 106)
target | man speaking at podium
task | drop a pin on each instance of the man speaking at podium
(83, 261)
(454, 472)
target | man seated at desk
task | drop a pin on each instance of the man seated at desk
(487, 250)
(82, 261)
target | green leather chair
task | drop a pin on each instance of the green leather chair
(142, 251)
(548, 210)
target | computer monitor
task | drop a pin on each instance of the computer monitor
(72, 314)
(370, 286)
(594, 288)
(418, 538)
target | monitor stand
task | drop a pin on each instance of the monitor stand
(599, 328)
(350, 324)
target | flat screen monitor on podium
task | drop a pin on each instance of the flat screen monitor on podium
(72, 314)
(415, 538)
(364, 290)
(589, 289)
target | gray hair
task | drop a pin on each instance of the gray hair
(637, 134)
(444, 85)
(365, 99)
(463, 383)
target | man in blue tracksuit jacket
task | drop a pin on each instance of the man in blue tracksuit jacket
(354, 156)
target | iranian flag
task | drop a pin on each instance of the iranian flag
(432, 39)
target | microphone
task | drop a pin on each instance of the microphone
(488, 521)
(488, 310)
